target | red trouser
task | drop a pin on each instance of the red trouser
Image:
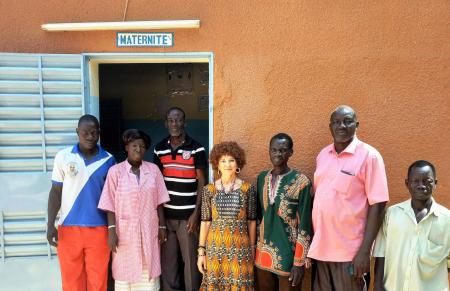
(83, 257)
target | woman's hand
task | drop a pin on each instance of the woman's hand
(201, 264)
(162, 235)
(113, 239)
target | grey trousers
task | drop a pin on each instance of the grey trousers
(334, 276)
(179, 240)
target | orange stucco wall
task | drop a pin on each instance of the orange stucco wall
(284, 65)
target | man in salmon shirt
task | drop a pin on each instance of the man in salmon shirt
(350, 196)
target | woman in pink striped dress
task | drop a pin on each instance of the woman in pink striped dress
(133, 196)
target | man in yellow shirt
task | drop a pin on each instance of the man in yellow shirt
(412, 247)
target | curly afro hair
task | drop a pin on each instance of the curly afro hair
(227, 148)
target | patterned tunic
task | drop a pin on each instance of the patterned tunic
(229, 261)
(286, 229)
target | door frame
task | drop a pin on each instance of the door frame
(91, 77)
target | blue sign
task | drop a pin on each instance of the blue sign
(144, 39)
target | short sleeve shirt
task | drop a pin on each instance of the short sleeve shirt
(285, 230)
(82, 183)
(416, 254)
(345, 185)
(178, 167)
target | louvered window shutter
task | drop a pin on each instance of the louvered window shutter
(41, 99)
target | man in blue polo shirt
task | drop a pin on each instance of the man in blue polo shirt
(79, 173)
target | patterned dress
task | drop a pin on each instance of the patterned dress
(229, 260)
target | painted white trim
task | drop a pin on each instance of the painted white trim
(83, 89)
(211, 111)
(41, 104)
(180, 57)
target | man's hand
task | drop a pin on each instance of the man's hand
(52, 235)
(54, 204)
(193, 223)
(361, 263)
(296, 275)
(162, 235)
(113, 239)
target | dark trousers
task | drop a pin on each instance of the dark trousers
(179, 241)
(334, 276)
(268, 281)
(110, 277)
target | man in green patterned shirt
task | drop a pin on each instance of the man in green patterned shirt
(285, 230)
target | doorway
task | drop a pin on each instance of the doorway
(134, 90)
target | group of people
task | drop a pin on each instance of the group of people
(167, 228)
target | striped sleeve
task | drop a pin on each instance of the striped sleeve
(156, 160)
(200, 158)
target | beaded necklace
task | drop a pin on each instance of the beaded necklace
(231, 188)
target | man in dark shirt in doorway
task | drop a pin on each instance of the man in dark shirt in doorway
(182, 161)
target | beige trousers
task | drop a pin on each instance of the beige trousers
(143, 285)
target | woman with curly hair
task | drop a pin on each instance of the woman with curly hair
(228, 228)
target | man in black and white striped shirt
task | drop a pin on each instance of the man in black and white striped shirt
(182, 161)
